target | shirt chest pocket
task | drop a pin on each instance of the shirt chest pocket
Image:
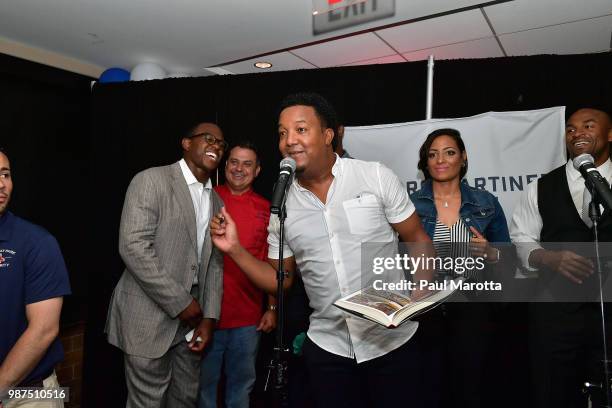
(364, 214)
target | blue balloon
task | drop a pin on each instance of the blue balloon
(114, 75)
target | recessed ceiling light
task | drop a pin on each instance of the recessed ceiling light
(263, 65)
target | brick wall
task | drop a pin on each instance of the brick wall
(70, 371)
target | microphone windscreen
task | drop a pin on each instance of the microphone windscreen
(582, 159)
(288, 162)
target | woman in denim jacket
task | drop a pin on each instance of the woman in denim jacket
(445, 197)
(461, 221)
(479, 209)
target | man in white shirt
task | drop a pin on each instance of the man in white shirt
(173, 280)
(565, 338)
(334, 207)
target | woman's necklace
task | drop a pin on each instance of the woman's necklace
(445, 200)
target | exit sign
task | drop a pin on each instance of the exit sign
(330, 15)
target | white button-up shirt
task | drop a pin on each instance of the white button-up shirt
(200, 196)
(326, 239)
(527, 223)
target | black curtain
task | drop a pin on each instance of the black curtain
(71, 173)
(73, 154)
(45, 128)
(71, 170)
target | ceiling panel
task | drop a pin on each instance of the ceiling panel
(483, 48)
(345, 50)
(584, 36)
(181, 35)
(184, 35)
(391, 59)
(453, 28)
(188, 35)
(283, 61)
(525, 14)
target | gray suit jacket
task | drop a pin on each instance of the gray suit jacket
(158, 243)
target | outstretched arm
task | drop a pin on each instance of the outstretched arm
(262, 274)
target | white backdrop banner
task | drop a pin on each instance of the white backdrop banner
(506, 150)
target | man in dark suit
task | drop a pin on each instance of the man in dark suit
(173, 278)
(551, 218)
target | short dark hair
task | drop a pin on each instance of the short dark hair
(424, 150)
(4, 151)
(245, 144)
(595, 107)
(324, 110)
(188, 132)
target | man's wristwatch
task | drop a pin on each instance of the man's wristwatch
(272, 308)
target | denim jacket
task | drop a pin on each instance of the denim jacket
(479, 209)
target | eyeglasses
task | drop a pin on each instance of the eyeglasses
(210, 139)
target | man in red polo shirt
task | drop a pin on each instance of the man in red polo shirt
(242, 319)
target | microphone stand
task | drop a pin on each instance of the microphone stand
(595, 215)
(278, 364)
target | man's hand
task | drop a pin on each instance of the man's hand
(192, 315)
(267, 322)
(567, 263)
(223, 232)
(202, 336)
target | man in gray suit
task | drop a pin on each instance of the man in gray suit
(173, 278)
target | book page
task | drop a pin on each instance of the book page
(427, 302)
(375, 302)
(391, 296)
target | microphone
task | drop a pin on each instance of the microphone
(585, 164)
(287, 167)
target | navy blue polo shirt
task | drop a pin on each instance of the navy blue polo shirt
(32, 269)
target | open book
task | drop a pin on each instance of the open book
(392, 308)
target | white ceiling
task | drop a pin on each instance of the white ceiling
(187, 36)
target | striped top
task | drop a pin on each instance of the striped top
(453, 243)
